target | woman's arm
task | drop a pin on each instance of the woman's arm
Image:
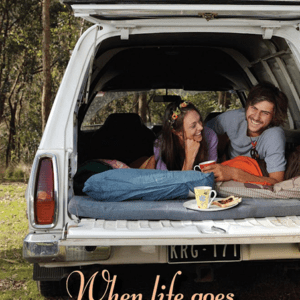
(212, 143)
(150, 163)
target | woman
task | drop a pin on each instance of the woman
(184, 141)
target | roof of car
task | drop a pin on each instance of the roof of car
(194, 2)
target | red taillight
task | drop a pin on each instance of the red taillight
(44, 203)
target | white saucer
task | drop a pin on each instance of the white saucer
(192, 204)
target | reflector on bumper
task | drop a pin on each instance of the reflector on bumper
(41, 251)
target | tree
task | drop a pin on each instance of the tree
(21, 71)
(18, 34)
(224, 100)
(46, 97)
(143, 106)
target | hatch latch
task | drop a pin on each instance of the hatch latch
(268, 32)
(208, 16)
(124, 30)
(124, 34)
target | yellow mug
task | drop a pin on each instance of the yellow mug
(204, 196)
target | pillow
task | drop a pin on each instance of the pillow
(115, 164)
(149, 185)
(248, 190)
(92, 167)
(286, 189)
(85, 171)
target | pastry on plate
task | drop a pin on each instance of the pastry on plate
(229, 201)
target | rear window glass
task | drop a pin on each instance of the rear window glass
(145, 104)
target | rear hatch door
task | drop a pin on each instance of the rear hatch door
(106, 11)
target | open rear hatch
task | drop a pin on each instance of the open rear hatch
(99, 11)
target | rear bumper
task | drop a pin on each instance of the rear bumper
(47, 248)
(146, 242)
(269, 230)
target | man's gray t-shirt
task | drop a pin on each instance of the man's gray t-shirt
(270, 144)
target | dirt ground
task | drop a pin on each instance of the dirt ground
(238, 281)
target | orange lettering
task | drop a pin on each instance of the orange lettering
(211, 296)
(140, 296)
(108, 280)
(200, 296)
(229, 296)
(172, 286)
(82, 287)
(155, 287)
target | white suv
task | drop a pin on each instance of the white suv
(145, 46)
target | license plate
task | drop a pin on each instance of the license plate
(203, 253)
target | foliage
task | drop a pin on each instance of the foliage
(21, 79)
(12, 174)
(205, 101)
(20, 71)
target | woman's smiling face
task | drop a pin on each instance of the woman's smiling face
(192, 126)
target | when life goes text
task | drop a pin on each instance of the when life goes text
(156, 294)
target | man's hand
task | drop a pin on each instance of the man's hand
(222, 173)
(226, 173)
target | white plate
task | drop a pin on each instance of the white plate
(192, 204)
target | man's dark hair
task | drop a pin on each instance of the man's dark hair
(266, 91)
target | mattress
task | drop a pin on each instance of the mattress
(86, 207)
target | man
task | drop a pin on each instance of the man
(254, 130)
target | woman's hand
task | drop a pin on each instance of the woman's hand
(191, 150)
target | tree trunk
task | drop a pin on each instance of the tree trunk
(11, 145)
(227, 99)
(4, 30)
(136, 103)
(224, 99)
(46, 97)
(143, 106)
(13, 104)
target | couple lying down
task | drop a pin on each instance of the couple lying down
(186, 142)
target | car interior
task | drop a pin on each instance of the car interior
(187, 61)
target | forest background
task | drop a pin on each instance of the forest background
(34, 53)
(22, 86)
(22, 77)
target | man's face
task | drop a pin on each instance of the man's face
(259, 117)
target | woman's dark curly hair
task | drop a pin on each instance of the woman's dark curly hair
(266, 91)
(172, 150)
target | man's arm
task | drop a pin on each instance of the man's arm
(226, 173)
